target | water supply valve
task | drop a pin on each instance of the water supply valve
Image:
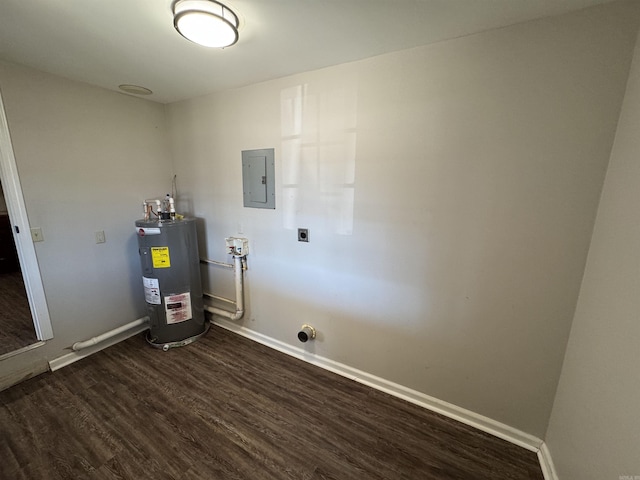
(237, 246)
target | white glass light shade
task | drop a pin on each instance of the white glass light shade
(206, 22)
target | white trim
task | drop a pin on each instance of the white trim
(69, 358)
(24, 245)
(546, 463)
(462, 415)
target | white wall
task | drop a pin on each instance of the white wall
(450, 192)
(593, 433)
(87, 157)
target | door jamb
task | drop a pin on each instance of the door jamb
(21, 232)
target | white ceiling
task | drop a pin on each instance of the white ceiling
(111, 42)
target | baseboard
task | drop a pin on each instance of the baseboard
(546, 463)
(71, 357)
(462, 415)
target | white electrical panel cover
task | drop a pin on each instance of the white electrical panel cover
(258, 178)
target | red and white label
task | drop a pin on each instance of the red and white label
(178, 308)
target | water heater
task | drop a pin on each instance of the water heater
(168, 248)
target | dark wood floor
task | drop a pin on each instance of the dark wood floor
(16, 324)
(229, 408)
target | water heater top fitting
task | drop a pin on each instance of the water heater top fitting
(165, 209)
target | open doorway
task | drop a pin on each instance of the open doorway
(21, 260)
(16, 324)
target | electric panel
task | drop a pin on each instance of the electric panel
(258, 178)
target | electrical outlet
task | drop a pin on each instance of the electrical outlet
(36, 235)
(100, 238)
(303, 235)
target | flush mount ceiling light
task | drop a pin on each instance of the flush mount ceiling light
(206, 22)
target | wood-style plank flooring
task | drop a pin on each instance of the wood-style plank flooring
(16, 324)
(228, 408)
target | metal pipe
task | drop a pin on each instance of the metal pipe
(147, 209)
(215, 262)
(239, 303)
(225, 265)
(216, 297)
(110, 334)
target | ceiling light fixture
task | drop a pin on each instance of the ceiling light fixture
(206, 22)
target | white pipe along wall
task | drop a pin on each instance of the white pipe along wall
(239, 303)
(110, 334)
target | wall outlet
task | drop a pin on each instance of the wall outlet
(100, 238)
(303, 235)
(36, 235)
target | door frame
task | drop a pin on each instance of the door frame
(21, 232)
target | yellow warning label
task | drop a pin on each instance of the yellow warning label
(160, 257)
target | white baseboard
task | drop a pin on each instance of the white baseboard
(462, 415)
(71, 357)
(546, 463)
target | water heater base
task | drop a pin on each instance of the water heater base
(167, 345)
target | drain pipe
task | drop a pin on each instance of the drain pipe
(239, 303)
(111, 333)
(307, 332)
